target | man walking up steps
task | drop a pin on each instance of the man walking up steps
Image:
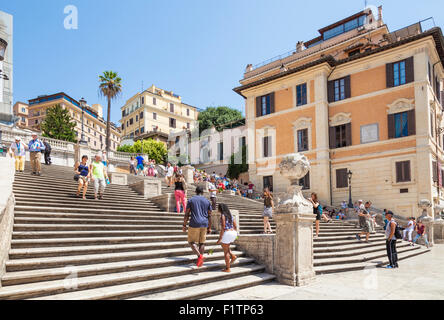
(391, 241)
(199, 209)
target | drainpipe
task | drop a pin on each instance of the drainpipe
(329, 155)
(438, 132)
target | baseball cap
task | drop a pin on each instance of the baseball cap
(389, 212)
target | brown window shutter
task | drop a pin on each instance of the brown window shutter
(347, 84)
(345, 178)
(265, 145)
(407, 171)
(435, 177)
(411, 124)
(409, 70)
(389, 75)
(398, 171)
(258, 107)
(331, 91)
(391, 126)
(338, 179)
(272, 102)
(348, 134)
(332, 137)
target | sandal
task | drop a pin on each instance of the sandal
(233, 259)
(226, 270)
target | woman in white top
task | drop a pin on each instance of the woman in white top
(18, 150)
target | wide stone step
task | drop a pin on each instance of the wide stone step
(360, 257)
(201, 291)
(152, 222)
(379, 247)
(71, 194)
(63, 242)
(38, 275)
(86, 210)
(379, 262)
(346, 237)
(92, 233)
(186, 276)
(63, 261)
(103, 217)
(41, 252)
(91, 227)
(87, 204)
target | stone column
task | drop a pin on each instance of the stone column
(294, 248)
(188, 174)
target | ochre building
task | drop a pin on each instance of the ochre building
(357, 99)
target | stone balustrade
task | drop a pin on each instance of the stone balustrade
(7, 202)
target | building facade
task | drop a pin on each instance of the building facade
(6, 74)
(357, 99)
(94, 126)
(155, 113)
(20, 111)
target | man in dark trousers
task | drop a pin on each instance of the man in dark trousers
(47, 152)
(199, 208)
(391, 241)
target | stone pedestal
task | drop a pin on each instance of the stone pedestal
(149, 188)
(188, 174)
(438, 229)
(119, 178)
(429, 230)
(294, 248)
(215, 220)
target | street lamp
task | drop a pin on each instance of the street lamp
(350, 203)
(82, 105)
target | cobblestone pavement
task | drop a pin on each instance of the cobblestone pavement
(420, 277)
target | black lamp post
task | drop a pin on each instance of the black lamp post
(82, 105)
(3, 45)
(350, 203)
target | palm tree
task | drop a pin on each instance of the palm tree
(110, 87)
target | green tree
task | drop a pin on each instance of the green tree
(234, 170)
(155, 149)
(217, 117)
(110, 87)
(58, 124)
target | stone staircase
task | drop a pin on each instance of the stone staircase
(122, 247)
(335, 250)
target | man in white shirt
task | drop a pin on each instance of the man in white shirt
(169, 175)
(213, 191)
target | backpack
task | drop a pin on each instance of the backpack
(320, 209)
(398, 234)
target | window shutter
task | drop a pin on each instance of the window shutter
(435, 177)
(331, 91)
(398, 171)
(269, 147)
(407, 171)
(338, 178)
(258, 107)
(272, 102)
(389, 75)
(332, 137)
(409, 70)
(391, 126)
(411, 122)
(265, 146)
(347, 83)
(348, 134)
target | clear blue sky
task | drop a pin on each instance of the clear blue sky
(196, 48)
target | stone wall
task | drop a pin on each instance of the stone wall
(149, 188)
(7, 203)
(259, 247)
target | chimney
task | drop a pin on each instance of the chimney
(380, 16)
(300, 46)
(249, 68)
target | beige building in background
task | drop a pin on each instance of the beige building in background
(20, 110)
(155, 113)
(93, 122)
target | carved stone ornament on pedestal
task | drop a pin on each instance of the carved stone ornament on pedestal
(294, 168)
